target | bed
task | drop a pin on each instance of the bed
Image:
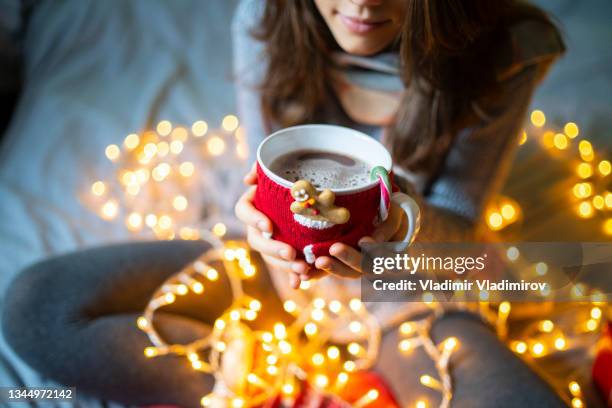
(95, 71)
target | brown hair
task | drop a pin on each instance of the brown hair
(441, 41)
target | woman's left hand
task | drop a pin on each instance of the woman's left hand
(345, 261)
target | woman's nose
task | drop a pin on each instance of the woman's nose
(367, 2)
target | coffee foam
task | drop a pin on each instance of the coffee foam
(322, 169)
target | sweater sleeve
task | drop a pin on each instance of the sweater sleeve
(478, 163)
(249, 69)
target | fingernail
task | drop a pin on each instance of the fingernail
(297, 267)
(284, 253)
(266, 235)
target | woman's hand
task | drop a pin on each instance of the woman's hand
(276, 254)
(345, 261)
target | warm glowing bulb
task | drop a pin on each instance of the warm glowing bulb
(305, 285)
(596, 313)
(574, 388)
(355, 304)
(234, 315)
(164, 128)
(342, 378)
(604, 167)
(290, 306)
(267, 337)
(205, 401)
(451, 343)
(142, 322)
(288, 389)
(230, 123)
(541, 268)
(112, 152)
(318, 359)
(335, 306)
(372, 395)
(317, 315)
(318, 303)
(110, 209)
(504, 308)
(199, 128)
(349, 366)
(280, 332)
(495, 221)
(584, 170)
(585, 209)
(186, 169)
(284, 347)
(405, 345)
(237, 403)
(354, 348)
(310, 329)
(427, 380)
(176, 146)
(98, 188)
(215, 145)
(421, 404)
(598, 202)
(164, 222)
(591, 325)
(212, 274)
(513, 253)
(538, 118)
(508, 211)
(520, 347)
(219, 229)
(537, 349)
(321, 381)
(131, 141)
(180, 203)
(546, 326)
(560, 141)
(255, 305)
(151, 220)
(150, 351)
(197, 287)
(560, 343)
(577, 403)
(571, 130)
(586, 150)
(333, 352)
(406, 328)
(355, 326)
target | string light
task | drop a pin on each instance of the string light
(283, 371)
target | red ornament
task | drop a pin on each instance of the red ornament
(602, 368)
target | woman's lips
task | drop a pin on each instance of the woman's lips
(359, 26)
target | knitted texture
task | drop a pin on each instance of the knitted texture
(274, 201)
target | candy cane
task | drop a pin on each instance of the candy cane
(382, 175)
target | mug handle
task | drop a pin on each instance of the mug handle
(413, 212)
(406, 203)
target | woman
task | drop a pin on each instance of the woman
(449, 82)
(444, 84)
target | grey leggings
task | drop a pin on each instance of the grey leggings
(72, 318)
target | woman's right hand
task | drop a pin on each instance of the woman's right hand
(276, 254)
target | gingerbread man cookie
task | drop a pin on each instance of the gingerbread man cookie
(316, 210)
